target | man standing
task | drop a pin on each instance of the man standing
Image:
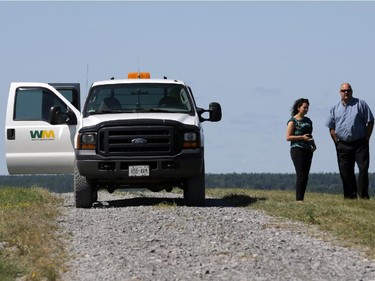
(350, 126)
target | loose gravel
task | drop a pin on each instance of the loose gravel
(133, 236)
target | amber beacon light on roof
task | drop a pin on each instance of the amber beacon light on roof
(139, 75)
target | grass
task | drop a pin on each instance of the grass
(350, 222)
(29, 247)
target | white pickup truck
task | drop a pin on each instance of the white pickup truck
(137, 132)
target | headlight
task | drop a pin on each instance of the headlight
(88, 138)
(190, 140)
(87, 141)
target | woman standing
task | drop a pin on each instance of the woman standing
(302, 145)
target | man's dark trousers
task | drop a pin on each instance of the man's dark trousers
(349, 153)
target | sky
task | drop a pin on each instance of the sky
(254, 58)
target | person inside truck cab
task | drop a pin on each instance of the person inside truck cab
(172, 99)
(110, 103)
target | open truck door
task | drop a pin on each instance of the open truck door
(41, 123)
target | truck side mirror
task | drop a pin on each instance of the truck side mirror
(54, 112)
(215, 111)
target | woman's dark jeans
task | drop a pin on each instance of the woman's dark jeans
(302, 159)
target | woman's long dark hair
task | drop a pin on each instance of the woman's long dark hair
(298, 103)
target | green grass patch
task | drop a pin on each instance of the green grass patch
(28, 244)
(351, 222)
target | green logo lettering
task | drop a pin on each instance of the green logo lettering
(36, 134)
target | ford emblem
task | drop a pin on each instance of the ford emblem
(139, 141)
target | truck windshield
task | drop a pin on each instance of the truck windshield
(137, 97)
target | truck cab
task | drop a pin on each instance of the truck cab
(131, 133)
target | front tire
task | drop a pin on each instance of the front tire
(195, 191)
(83, 194)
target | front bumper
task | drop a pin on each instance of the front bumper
(115, 170)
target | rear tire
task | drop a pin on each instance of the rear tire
(83, 194)
(195, 191)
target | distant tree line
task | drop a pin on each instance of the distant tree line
(327, 183)
(319, 182)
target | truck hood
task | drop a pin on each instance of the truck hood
(179, 117)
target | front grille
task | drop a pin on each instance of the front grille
(125, 141)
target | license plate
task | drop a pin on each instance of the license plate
(139, 171)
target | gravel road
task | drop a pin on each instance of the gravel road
(133, 237)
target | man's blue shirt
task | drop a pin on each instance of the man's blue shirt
(350, 121)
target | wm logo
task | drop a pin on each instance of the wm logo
(42, 135)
